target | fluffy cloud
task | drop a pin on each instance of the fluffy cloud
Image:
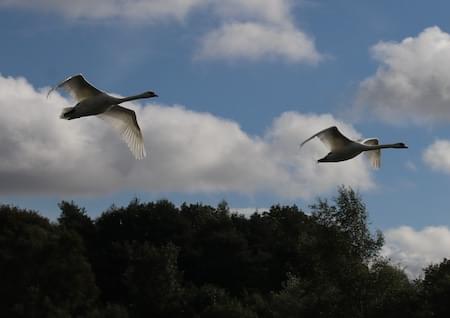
(187, 152)
(251, 29)
(258, 29)
(437, 156)
(412, 83)
(254, 41)
(415, 250)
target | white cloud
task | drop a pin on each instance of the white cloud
(247, 212)
(250, 29)
(256, 30)
(272, 11)
(416, 249)
(145, 10)
(412, 83)
(142, 10)
(255, 41)
(187, 152)
(437, 156)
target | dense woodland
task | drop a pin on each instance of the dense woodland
(158, 260)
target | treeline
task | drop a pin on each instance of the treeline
(157, 260)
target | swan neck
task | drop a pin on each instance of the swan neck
(391, 146)
(382, 146)
(133, 97)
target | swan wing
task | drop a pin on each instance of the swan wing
(373, 155)
(124, 121)
(332, 138)
(78, 87)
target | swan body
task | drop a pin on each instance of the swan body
(342, 148)
(94, 102)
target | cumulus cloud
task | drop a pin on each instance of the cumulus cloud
(255, 41)
(412, 82)
(251, 29)
(258, 29)
(187, 152)
(437, 156)
(416, 249)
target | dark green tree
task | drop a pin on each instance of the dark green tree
(153, 281)
(390, 293)
(44, 271)
(76, 219)
(311, 297)
(211, 301)
(350, 216)
(435, 289)
(333, 253)
(158, 260)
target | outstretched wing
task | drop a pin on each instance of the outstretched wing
(78, 87)
(373, 155)
(332, 138)
(124, 121)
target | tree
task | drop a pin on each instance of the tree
(76, 219)
(349, 215)
(389, 292)
(158, 260)
(333, 253)
(435, 289)
(316, 297)
(215, 249)
(210, 301)
(153, 281)
(44, 270)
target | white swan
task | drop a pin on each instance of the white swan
(342, 148)
(92, 101)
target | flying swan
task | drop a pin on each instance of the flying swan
(94, 102)
(342, 148)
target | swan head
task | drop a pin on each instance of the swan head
(149, 94)
(400, 145)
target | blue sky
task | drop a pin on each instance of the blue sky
(241, 83)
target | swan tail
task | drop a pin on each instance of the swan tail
(66, 113)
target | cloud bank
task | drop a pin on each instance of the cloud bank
(138, 10)
(412, 82)
(251, 29)
(416, 249)
(187, 152)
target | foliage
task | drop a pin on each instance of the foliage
(435, 289)
(44, 271)
(158, 260)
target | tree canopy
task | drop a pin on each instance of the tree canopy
(154, 259)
